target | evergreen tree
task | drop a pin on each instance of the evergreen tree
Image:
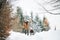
(20, 14)
(31, 15)
(39, 24)
(36, 18)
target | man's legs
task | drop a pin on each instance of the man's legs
(27, 31)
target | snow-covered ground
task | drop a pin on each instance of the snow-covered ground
(46, 35)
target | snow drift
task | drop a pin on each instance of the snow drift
(46, 35)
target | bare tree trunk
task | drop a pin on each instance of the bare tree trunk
(4, 19)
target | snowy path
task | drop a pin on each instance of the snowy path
(50, 35)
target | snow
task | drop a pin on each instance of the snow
(45, 35)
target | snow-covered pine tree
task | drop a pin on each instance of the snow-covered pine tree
(39, 24)
(20, 14)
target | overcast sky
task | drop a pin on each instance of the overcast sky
(29, 6)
